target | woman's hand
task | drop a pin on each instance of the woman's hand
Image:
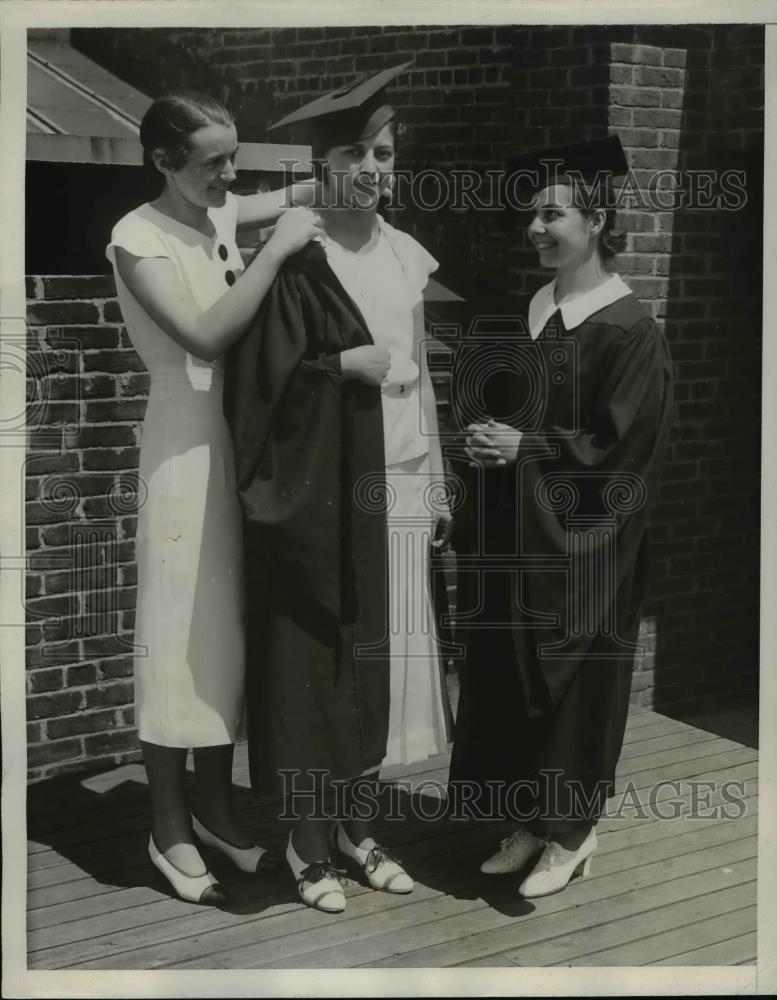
(492, 444)
(443, 530)
(368, 363)
(294, 230)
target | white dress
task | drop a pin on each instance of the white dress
(189, 656)
(387, 283)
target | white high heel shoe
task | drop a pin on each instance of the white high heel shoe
(515, 852)
(557, 867)
(202, 889)
(317, 882)
(253, 860)
(382, 870)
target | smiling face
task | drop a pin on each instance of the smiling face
(209, 169)
(564, 235)
(361, 172)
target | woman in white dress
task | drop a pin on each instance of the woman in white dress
(176, 262)
(333, 396)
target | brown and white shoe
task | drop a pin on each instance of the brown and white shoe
(318, 883)
(382, 869)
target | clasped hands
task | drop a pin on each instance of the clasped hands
(492, 444)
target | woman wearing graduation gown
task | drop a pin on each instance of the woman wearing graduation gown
(564, 466)
(335, 433)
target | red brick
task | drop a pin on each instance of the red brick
(101, 337)
(103, 436)
(556, 37)
(50, 654)
(127, 715)
(622, 75)
(39, 513)
(83, 722)
(657, 118)
(49, 679)
(119, 361)
(49, 414)
(79, 287)
(111, 742)
(41, 313)
(99, 386)
(111, 458)
(117, 667)
(44, 706)
(60, 750)
(81, 674)
(642, 55)
(117, 693)
(107, 645)
(60, 386)
(101, 411)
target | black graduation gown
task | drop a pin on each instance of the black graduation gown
(550, 638)
(310, 470)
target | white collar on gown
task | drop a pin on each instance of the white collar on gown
(574, 311)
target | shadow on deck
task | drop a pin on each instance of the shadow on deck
(673, 881)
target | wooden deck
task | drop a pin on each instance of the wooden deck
(674, 891)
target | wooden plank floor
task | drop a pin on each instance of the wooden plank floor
(673, 888)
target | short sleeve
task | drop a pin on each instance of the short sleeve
(416, 261)
(137, 236)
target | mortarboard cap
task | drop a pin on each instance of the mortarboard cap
(354, 111)
(601, 159)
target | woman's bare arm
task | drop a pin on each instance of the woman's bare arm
(156, 285)
(264, 207)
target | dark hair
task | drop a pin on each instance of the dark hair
(169, 122)
(589, 200)
(612, 241)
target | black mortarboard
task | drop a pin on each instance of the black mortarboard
(601, 159)
(354, 111)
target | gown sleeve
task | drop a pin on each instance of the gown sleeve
(619, 428)
(283, 405)
(581, 505)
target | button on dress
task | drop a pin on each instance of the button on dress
(189, 643)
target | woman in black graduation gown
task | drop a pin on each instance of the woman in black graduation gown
(321, 411)
(562, 470)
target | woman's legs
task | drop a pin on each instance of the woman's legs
(213, 793)
(171, 826)
(358, 828)
(166, 769)
(310, 837)
(312, 829)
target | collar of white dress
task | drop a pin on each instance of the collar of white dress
(574, 311)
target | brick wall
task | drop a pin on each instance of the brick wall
(691, 99)
(86, 399)
(684, 98)
(680, 97)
